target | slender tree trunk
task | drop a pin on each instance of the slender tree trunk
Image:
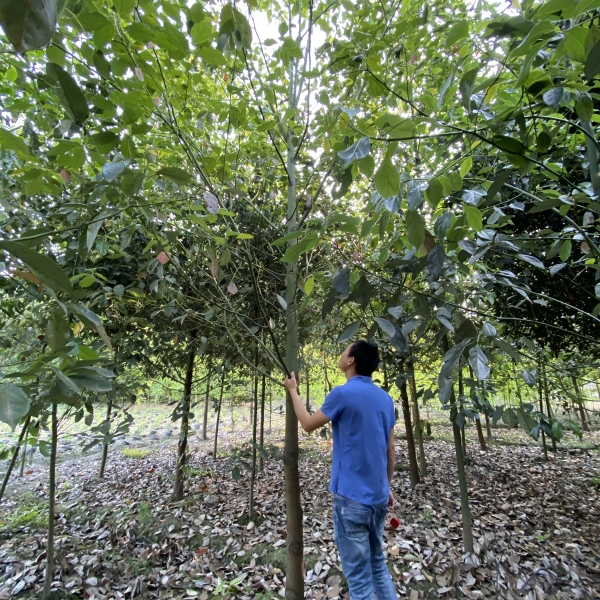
(540, 392)
(460, 469)
(51, 505)
(183, 434)
(307, 388)
(547, 397)
(105, 446)
(519, 396)
(270, 407)
(13, 460)
(488, 426)
(219, 412)
(254, 439)
(410, 442)
(482, 443)
(206, 401)
(232, 421)
(23, 459)
(262, 420)
(417, 420)
(461, 396)
(294, 589)
(386, 385)
(328, 383)
(584, 424)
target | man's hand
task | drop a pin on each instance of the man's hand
(290, 382)
(391, 500)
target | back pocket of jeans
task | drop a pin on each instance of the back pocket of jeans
(356, 522)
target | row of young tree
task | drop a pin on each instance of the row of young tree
(177, 185)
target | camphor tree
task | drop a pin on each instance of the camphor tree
(399, 147)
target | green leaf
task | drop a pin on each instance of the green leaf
(366, 166)
(565, 250)
(69, 93)
(92, 232)
(415, 228)
(309, 284)
(48, 271)
(105, 141)
(348, 333)
(341, 282)
(58, 332)
(91, 381)
(575, 43)
(14, 404)
(479, 363)
(466, 88)
(434, 193)
(9, 141)
(66, 380)
(456, 181)
(458, 32)
(91, 319)
(292, 254)
(387, 179)
(508, 144)
(178, 175)
(473, 217)
(28, 24)
(212, 56)
(124, 7)
(386, 326)
(202, 32)
(266, 126)
(592, 63)
(584, 107)
(357, 151)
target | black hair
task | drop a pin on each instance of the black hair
(366, 357)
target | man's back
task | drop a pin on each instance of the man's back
(362, 415)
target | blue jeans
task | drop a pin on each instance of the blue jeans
(358, 531)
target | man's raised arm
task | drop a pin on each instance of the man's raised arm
(308, 422)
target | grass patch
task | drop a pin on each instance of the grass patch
(30, 512)
(136, 453)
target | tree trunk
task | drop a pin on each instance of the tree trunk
(183, 434)
(410, 442)
(294, 589)
(23, 459)
(519, 396)
(584, 424)
(461, 396)
(254, 437)
(460, 469)
(270, 407)
(51, 505)
(417, 421)
(482, 443)
(307, 389)
(488, 426)
(329, 386)
(219, 411)
(262, 420)
(13, 460)
(206, 399)
(540, 393)
(105, 446)
(547, 397)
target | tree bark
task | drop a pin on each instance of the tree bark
(461, 395)
(327, 382)
(51, 505)
(584, 424)
(219, 411)
(307, 388)
(262, 420)
(488, 426)
(540, 393)
(105, 446)
(519, 396)
(13, 460)
(294, 589)
(183, 433)
(465, 507)
(547, 398)
(482, 443)
(410, 442)
(417, 421)
(206, 399)
(254, 437)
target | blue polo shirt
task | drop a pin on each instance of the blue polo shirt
(361, 415)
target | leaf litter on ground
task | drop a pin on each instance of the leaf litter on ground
(536, 527)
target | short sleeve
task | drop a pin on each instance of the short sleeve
(333, 405)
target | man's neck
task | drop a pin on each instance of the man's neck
(350, 373)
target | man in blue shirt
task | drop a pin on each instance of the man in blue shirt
(362, 418)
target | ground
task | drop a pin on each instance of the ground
(536, 526)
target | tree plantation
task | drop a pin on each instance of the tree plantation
(198, 199)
